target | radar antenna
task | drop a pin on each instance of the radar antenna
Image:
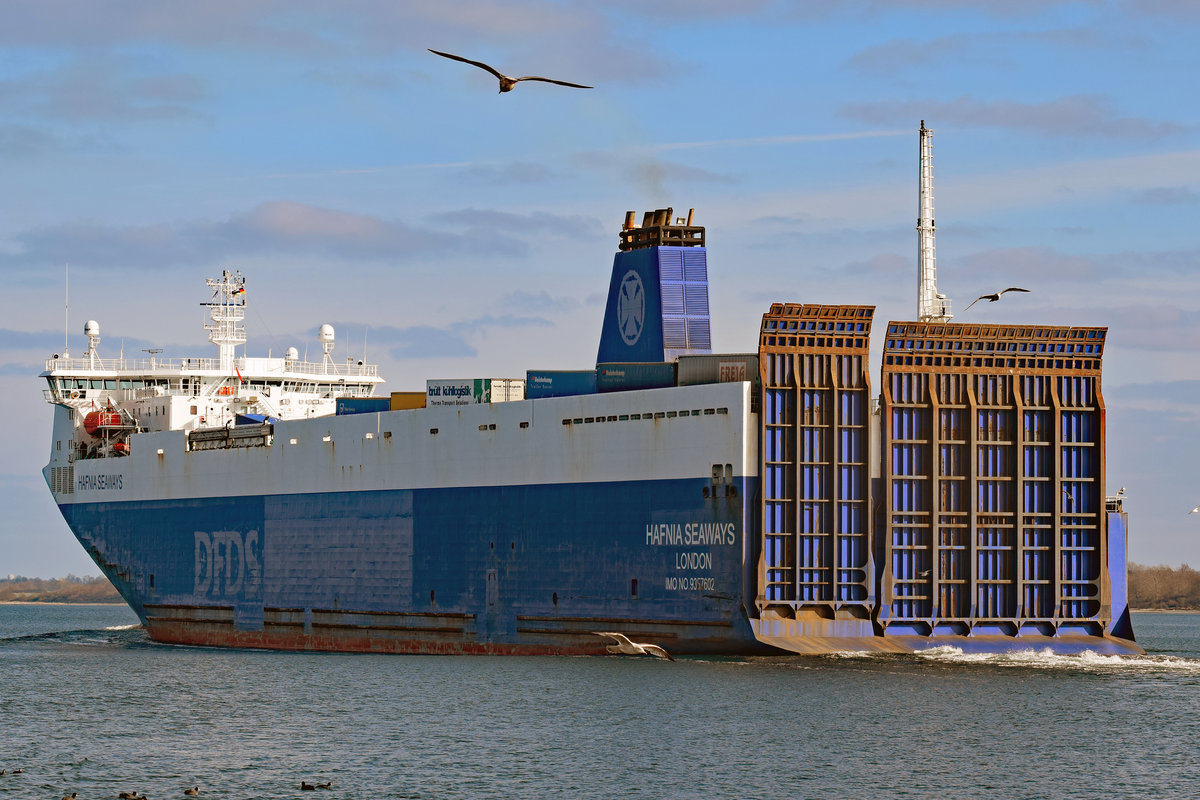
(931, 306)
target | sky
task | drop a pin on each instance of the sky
(446, 230)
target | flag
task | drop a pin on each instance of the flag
(240, 290)
(239, 374)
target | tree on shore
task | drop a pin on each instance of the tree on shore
(71, 589)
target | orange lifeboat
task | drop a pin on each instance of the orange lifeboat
(121, 447)
(95, 420)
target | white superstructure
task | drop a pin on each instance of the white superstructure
(102, 401)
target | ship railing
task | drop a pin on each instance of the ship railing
(338, 370)
(179, 365)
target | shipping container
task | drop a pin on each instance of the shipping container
(559, 383)
(693, 370)
(405, 401)
(362, 405)
(468, 391)
(634, 376)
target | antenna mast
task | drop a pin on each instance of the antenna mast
(227, 310)
(66, 307)
(931, 306)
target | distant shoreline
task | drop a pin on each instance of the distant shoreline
(1164, 611)
(117, 602)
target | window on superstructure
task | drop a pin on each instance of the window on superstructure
(97, 384)
(111, 383)
(126, 384)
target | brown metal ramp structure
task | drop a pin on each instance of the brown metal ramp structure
(816, 574)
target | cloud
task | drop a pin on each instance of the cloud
(280, 227)
(539, 301)
(998, 7)
(1184, 393)
(961, 49)
(105, 87)
(506, 321)
(1075, 115)
(29, 369)
(651, 175)
(566, 39)
(29, 340)
(1166, 196)
(1028, 263)
(429, 341)
(888, 267)
(424, 341)
(489, 222)
(24, 141)
(515, 172)
(751, 141)
(1184, 10)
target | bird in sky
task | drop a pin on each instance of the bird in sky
(1070, 497)
(625, 647)
(994, 297)
(1195, 510)
(507, 83)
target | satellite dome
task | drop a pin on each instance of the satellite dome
(325, 333)
(92, 328)
(291, 354)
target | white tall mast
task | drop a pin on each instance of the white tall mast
(931, 306)
(227, 312)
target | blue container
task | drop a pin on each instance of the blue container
(253, 419)
(634, 376)
(363, 405)
(559, 383)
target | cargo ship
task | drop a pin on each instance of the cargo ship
(747, 503)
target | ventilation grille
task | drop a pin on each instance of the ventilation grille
(62, 480)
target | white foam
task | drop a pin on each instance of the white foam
(1046, 658)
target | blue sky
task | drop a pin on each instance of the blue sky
(357, 179)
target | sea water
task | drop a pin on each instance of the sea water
(89, 705)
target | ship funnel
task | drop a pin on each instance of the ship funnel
(658, 295)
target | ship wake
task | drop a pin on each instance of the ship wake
(1045, 658)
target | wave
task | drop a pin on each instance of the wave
(121, 635)
(1045, 658)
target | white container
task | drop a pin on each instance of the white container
(468, 391)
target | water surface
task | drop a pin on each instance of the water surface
(89, 704)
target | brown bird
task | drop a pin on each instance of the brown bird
(192, 792)
(991, 298)
(507, 83)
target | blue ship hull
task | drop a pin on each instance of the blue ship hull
(510, 569)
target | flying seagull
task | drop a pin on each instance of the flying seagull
(994, 297)
(628, 648)
(1195, 510)
(507, 84)
(1070, 497)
